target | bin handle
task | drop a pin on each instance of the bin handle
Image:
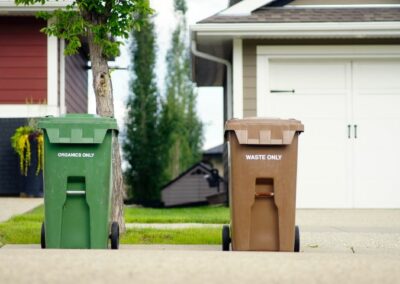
(264, 195)
(76, 192)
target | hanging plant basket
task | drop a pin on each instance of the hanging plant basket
(22, 144)
(27, 142)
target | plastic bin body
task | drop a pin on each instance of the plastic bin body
(262, 157)
(77, 180)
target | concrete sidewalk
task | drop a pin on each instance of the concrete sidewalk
(15, 206)
(190, 265)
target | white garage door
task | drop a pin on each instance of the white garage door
(349, 154)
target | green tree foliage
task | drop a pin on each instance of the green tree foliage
(180, 127)
(142, 144)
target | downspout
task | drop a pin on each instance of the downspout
(228, 74)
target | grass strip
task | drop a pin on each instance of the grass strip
(22, 229)
(202, 214)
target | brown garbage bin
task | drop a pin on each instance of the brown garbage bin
(262, 162)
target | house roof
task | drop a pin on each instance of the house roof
(287, 20)
(201, 165)
(310, 15)
(217, 150)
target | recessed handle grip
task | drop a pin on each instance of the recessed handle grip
(264, 194)
(76, 192)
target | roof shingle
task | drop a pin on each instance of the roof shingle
(311, 15)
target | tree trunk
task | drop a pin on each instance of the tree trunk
(104, 106)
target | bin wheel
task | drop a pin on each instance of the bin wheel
(226, 238)
(42, 237)
(114, 236)
(296, 239)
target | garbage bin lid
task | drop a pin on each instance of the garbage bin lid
(77, 128)
(264, 131)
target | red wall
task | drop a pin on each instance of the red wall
(23, 60)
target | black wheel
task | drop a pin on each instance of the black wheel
(114, 236)
(43, 237)
(226, 238)
(296, 239)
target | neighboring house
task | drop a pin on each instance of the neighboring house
(194, 186)
(213, 157)
(36, 80)
(332, 64)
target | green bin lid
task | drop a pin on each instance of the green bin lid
(77, 128)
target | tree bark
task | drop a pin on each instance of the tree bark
(104, 107)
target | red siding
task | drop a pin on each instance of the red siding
(76, 84)
(23, 60)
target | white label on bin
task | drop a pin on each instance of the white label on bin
(75, 155)
(264, 157)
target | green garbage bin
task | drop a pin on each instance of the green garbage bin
(78, 182)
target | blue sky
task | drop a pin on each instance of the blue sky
(209, 100)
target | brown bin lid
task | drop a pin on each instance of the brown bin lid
(264, 131)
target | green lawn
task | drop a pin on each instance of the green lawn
(25, 229)
(202, 214)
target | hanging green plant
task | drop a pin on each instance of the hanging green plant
(21, 143)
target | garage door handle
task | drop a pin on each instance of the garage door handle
(283, 91)
(349, 131)
(355, 131)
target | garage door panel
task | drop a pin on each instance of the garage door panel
(308, 74)
(376, 113)
(375, 104)
(308, 106)
(378, 74)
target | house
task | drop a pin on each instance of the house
(332, 64)
(36, 79)
(213, 157)
(199, 184)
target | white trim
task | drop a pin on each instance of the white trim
(26, 110)
(299, 30)
(63, 109)
(245, 7)
(52, 71)
(330, 51)
(237, 78)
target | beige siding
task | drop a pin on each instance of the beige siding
(249, 78)
(342, 2)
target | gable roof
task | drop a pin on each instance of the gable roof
(310, 15)
(217, 150)
(199, 165)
